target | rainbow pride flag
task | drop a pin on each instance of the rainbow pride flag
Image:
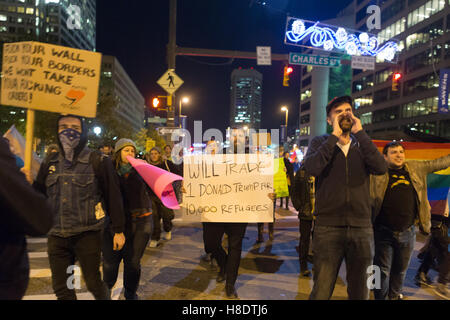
(438, 183)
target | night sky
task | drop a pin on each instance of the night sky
(136, 32)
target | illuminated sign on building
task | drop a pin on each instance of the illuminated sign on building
(310, 34)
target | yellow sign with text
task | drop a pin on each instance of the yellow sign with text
(50, 78)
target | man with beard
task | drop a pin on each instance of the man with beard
(342, 163)
(81, 185)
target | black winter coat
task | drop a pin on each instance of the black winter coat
(23, 211)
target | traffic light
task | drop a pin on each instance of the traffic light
(287, 72)
(396, 76)
(155, 103)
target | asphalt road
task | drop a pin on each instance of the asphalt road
(173, 270)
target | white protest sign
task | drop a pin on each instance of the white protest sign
(228, 188)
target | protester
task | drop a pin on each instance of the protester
(137, 227)
(167, 153)
(289, 176)
(228, 262)
(81, 185)
(437, 249)
(23, 211)
(399, 197)
(341, 164)
(106, 150)
(303, 201)
(154, 158)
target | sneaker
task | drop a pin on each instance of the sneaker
(206, 257)
(213, 265)
(399, 297)
(442, 291)
(153, 244)
(168, 235)
(221, 277)
(305, 273)
(422, 279)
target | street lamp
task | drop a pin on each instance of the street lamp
(97, 130)
(184, 100)
(284, 108)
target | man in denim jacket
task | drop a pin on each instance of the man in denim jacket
(81, 185)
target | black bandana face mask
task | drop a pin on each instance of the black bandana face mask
(69, 139)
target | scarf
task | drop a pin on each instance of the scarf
(124, 169)
(69, 139)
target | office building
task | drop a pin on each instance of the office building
(49, 21)
(246, 98)
(422, 27)
(131, 103)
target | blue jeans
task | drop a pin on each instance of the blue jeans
(331, 245)
(131, 253)
(393, 252)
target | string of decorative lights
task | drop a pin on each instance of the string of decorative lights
(340, 39)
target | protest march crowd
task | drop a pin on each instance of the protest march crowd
(356, 203)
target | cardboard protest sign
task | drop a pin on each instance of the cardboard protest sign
(228, 188)
(280, 180)
(51, 78)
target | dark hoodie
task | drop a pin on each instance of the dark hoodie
(23, 211)
(104, 172)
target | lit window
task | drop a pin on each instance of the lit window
(3, 17)
(30, 11)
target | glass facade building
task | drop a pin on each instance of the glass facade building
(422, 27)
(246, 98)
(49, 21)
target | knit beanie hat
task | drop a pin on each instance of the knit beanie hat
(156, 148)
(122, 143)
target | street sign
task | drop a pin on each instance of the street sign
(363, 62)
(443, 91)
(264, 56)
(313, 60)
(156, 120)
(170, 81)
(167, 130)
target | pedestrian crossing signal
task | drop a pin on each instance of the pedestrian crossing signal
(287, 72)
(155, 103)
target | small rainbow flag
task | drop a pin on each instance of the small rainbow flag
(438, 183)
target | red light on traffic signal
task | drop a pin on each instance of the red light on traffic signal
(155, 102)
(397, 76)
(289, 70)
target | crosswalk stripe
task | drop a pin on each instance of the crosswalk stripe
(80, 296)
(35, 255)
(40, 273)
(36, 240)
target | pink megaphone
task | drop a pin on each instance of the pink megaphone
(159, 180)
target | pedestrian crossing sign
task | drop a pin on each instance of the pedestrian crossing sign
(170, 81)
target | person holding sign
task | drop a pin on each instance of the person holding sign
(342, 163)
(81, 185)
(213, 234)
(159, 210)
(137, 226)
